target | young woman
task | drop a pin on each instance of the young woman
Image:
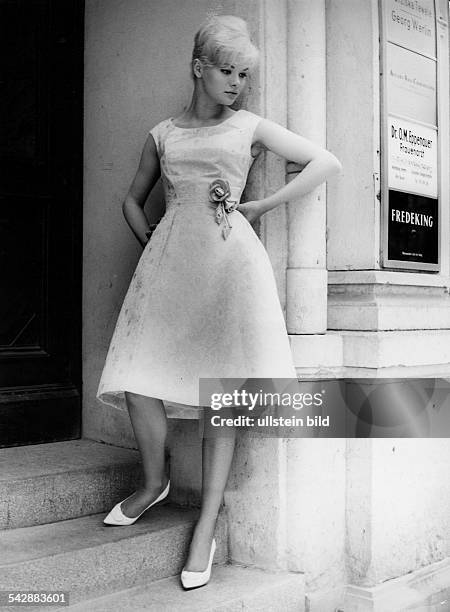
(203, 301)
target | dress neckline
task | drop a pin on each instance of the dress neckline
(204, 127)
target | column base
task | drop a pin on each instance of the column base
(419, 588)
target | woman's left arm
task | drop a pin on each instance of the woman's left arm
(319, 164)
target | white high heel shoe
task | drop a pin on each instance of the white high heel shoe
(193, 580)
(117, 517)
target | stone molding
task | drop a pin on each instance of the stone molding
(383, 300)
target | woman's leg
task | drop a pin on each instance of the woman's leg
(149, 421)
(216, 460)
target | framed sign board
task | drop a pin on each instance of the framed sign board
(412, 128)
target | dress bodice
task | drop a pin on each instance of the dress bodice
(192, 158)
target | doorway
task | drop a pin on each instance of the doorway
(41, 221)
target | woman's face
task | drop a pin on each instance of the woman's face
(224, 83)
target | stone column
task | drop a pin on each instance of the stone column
(306, 311)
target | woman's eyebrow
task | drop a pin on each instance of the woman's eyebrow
(226, 64)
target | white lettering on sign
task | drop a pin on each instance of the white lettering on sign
(404, 216)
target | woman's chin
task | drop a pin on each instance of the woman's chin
(229, 100)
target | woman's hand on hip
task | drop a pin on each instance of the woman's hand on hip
(251, 210)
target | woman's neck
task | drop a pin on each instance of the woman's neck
(202, 110)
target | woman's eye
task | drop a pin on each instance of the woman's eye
(226, 71)
(243, 75)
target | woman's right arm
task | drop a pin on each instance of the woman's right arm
(144, 181)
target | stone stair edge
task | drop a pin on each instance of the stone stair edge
(74, 470)
(12, 474)
(142, 597)
(161, 518)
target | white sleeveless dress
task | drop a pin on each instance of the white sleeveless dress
(199, 305)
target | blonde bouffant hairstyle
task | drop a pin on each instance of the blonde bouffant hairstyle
(224, 39)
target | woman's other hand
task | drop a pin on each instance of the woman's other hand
(251, 210)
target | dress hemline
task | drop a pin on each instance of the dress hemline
(116, 399)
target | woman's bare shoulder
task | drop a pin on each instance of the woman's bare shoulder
(160, 126)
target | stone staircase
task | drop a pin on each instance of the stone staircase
(53, 498)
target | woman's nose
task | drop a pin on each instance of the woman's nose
(234, 79)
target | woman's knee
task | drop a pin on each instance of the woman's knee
(136, 399)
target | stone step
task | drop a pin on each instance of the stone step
(44, 483)
(231, 588)
(87, 558)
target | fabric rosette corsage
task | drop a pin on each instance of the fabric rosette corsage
(219, 194)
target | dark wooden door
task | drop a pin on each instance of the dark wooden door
(40, 220)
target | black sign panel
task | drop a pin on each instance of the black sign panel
(413, 228)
